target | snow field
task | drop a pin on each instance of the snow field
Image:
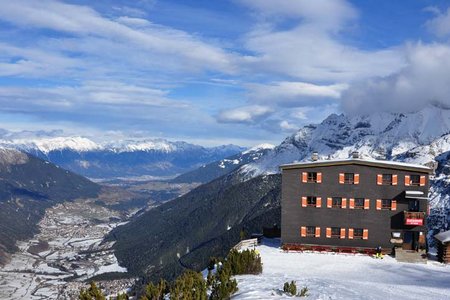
(341, 276)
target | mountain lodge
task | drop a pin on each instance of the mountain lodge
(354, 205)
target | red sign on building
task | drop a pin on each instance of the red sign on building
(418, 222)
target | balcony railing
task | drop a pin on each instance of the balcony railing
(414, 218)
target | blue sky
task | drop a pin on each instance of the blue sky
(215, 72)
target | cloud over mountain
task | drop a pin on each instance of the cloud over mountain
(425, 80)
(214, 71)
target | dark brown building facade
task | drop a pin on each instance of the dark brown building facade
(354, 204)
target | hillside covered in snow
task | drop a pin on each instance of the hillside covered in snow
(342, 276)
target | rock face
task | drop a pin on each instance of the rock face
(10, 157)
(122, 158)
(386, 135)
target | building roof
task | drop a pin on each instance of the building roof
(443, 237)
(359, 161)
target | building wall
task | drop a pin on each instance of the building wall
(443, 252)
(380, 223)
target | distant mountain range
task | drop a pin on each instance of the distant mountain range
(126, 158)
(207, 221)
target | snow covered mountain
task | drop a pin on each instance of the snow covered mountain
(422, 137)
(224, 166)
(381, 135)
(150, 157)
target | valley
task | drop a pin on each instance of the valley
(67, 251)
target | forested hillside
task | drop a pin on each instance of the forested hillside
(28, 186)
(203, 223)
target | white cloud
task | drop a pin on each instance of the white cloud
(285, 125)
(330, 15)
(425, 80)
(311, 48)
(245, 114)
(440, 24)
(83, 22)
(130, 21)
(90, 93)
(299, 113)
(25, 61)
(293, 93)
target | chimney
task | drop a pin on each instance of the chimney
(315, 156)
(355, 154)
(382, 153)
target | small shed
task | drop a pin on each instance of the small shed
(443, 246)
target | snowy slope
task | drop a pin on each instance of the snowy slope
(46, 145)
(374, 136)
(224, 166)
(340, 276)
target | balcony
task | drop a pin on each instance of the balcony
(414, 218)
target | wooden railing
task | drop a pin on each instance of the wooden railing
(246, 244)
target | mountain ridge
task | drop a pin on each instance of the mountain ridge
(123, 158)
(382, 135)
(28, 186)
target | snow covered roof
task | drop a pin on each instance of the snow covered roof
(358, 161)
(444, 237)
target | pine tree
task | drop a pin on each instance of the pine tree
(293, 288)
(122, 296)
(189, 286)
(223, 285)
(92, 293)
(155, 292)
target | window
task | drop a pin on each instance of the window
(413, 205)
(358, 233)
(387, 179)
(414, 180)
(336, 232)
(311, 201)
(349, 178)
(337, 202)
(386, 204)
(396, 234)
(359, 203)
(311, 231)
(312, 176)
